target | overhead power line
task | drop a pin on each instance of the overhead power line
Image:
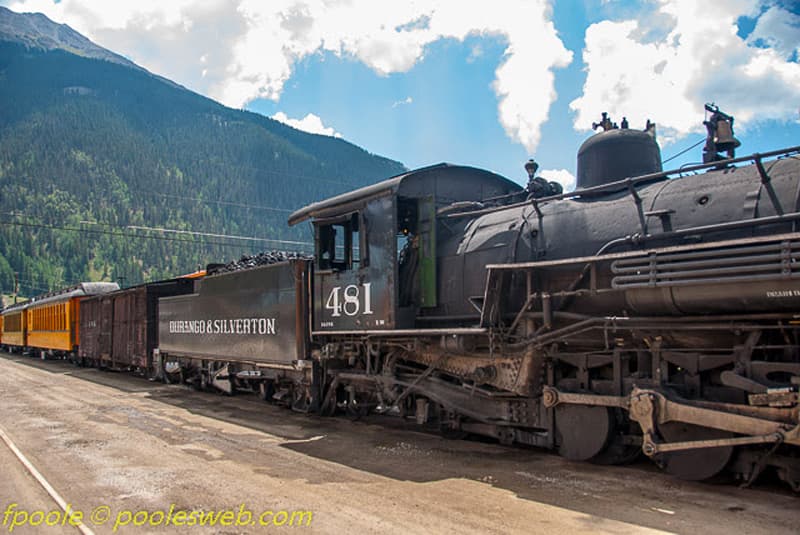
(212, 235)
(683, 151)
(160, 229)
(223, 203)
(138, 235)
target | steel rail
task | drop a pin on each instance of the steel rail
(44, 483)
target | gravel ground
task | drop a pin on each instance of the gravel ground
(114, 440)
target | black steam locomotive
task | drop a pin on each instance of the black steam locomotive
(647, 311)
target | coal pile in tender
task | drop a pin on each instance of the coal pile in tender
(261, 259)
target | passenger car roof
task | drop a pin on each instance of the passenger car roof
(79, 290)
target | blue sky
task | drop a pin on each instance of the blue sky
(488, 84)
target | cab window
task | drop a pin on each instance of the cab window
(339, 244)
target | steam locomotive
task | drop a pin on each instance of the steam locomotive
(645, 312)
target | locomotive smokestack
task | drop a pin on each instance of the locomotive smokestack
(531, 167)
(537, 186)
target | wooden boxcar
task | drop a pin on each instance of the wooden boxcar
(120, 329)
(95, 329)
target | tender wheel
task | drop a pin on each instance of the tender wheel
(694, 465)
(582, 431)
(266, 389)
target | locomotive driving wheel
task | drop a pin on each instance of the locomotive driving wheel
(450, 425)
(625, 444)
(583, 431)
(696, 464)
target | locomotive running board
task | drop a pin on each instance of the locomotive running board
(406, 332)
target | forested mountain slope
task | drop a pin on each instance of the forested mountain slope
(92, 146)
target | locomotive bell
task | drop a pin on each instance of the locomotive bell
(720, 136)
(617, 153)
(724, 138)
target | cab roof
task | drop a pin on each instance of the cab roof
(446, 182)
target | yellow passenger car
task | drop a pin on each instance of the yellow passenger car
(49, 323)
(52, 321)
(14, 327)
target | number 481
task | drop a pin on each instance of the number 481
(348, 300)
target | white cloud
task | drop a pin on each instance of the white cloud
(562, 176)
(310, 123)
(390, 37)
(696, 56)
(779, 29)
(405, 101)
(251, 46)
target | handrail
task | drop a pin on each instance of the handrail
(645, 252)
(630, 182)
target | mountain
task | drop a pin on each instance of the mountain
(35, 30)
(94, 151)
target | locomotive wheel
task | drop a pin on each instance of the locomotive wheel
(582, 431)
(452, 433)
(618, 452)
(355, 411)
(694, 465)
(620, 449)
(450, 425)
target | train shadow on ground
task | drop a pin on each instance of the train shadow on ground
(388, 447)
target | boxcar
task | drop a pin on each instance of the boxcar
(95, 329)
(120, 329)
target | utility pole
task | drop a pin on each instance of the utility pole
(16, 286)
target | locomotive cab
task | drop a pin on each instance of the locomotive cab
(375, 261)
